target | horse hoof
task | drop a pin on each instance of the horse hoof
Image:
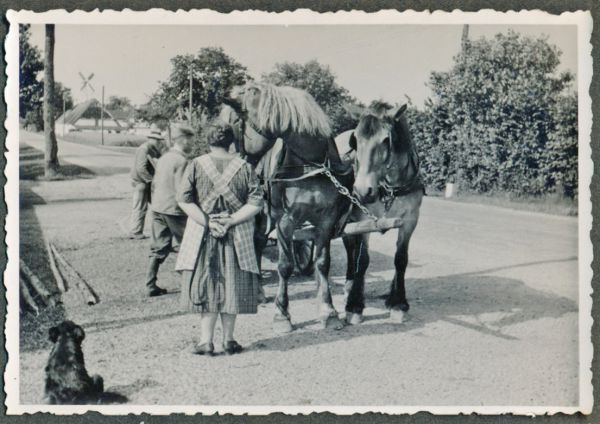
(332, 322)
(397, 316)
(282, 325)
(354, 319)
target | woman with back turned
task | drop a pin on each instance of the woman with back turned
(221, 194)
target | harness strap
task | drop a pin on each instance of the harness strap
(220, 182)
(317, 171)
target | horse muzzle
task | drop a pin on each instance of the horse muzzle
(366, 195)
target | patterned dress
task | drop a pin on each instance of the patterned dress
(215, 282)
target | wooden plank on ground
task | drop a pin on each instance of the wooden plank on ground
(38, 287)
(354, 228)
(27, 298)
(80, 283)
(60, 281)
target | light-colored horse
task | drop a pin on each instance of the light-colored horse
(387, 182)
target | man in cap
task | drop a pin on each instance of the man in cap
(141, 176)
(168, 220)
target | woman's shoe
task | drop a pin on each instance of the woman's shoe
(232, 347)
(204, 349)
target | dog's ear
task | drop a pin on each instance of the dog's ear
(78, 334)
(53, 334)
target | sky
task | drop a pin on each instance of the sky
(385, 62)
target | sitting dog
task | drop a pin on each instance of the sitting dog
(67, 381)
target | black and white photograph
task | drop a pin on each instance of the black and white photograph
(298, 212)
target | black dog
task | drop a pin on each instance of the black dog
(67, 381)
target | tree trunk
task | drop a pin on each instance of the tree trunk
(51, 165)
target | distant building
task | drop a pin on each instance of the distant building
(86, 116)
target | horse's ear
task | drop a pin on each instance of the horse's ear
(397, 112)
(353, 111)
(352, 141)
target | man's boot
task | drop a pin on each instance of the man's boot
(153, 289)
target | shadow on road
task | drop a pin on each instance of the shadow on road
(482, 303)
(31, 166)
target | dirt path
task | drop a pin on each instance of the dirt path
(493, 317)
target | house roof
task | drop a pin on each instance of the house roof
(73, 115)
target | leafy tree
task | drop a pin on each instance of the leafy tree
(160, 108)
(320, 82)
(213, 74)
(35, 117)
(31, 87)
(30, 64)
(498, 115)
(118, 103)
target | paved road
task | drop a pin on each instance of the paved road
(493, 320)
(100, 160)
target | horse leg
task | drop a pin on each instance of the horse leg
(285, 229)
(396, 301)
(356, 297)
(350, 246)
(260, 237)
(327, 313)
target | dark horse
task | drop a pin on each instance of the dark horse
(300, 192)
(388, 183)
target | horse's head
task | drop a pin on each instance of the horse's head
(270, 112)
(379, 138)
(240, 111)
(279, 110)
(245, 99)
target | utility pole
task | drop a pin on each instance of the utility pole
(190, 107)
(465, 38)
(64, 112)
(102, 119)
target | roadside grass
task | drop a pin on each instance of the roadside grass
(94, 138)
(550, 204)
(33, 329)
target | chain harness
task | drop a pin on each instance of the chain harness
(387, 197)
(345, 192)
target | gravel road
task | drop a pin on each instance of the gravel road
(493, 319)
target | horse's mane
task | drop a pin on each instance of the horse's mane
(373, 118)
(379, 107)
(286, 108)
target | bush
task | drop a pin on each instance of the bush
(501, 120)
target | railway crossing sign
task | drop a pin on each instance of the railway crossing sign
(86, 87)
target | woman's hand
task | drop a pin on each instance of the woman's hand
(226, 222)
(216, 229)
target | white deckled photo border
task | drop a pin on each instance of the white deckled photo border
(581, 19)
